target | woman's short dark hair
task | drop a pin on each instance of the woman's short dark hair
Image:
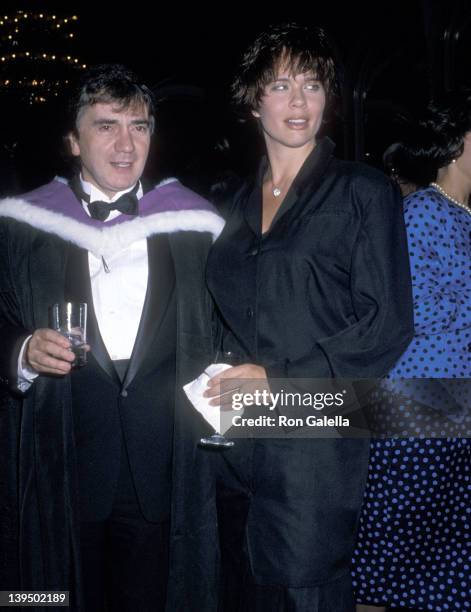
(443, 129)
(299, 48)
(107, 83)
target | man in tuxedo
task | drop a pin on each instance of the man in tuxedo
(90, 454)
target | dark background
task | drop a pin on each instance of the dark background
(395, 56)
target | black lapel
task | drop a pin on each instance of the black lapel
(253, 209)
(160, 287)
(315, 165)
(78, 289)
(304, 184)
(309, 176)
(253, 196)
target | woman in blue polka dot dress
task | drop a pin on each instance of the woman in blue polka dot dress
(414, 545)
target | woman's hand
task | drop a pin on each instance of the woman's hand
(241, 379)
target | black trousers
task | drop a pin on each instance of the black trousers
(124, 558)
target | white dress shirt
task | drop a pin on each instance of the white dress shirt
(119, 288)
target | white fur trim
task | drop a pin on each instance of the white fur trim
(107, 240)
(166, 181)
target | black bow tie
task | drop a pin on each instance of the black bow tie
(127, 204)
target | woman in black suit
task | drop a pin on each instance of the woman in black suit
(311, 279)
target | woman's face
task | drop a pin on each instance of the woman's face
(291, 110)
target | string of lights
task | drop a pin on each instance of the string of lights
(19, 16)
(37, 54)
(41, 56)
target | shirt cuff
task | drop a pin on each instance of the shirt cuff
(26, 375)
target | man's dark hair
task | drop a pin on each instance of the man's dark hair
(298, 48)
(109, 83)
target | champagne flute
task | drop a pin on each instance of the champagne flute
(217, 440)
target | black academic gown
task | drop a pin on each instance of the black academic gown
(39, 472)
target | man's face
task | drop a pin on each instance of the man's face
(113, 144)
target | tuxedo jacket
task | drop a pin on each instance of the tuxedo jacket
(61, 441)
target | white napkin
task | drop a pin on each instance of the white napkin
(212, 414)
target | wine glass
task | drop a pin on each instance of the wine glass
(217, 440)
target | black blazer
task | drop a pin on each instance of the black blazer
(326, 292)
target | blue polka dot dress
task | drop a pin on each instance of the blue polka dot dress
(414, 547)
